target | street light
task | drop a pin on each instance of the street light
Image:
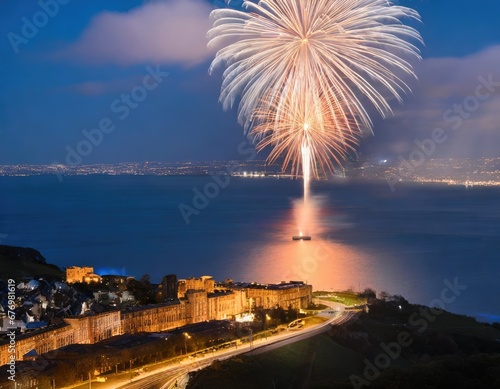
(186, 337)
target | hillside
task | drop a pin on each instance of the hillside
(19, 262)
(450, 351)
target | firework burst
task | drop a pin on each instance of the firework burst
(281, 55)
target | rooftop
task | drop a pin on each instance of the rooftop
(138, 308)
(282, 285)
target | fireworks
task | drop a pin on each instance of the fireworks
(302, 69)
(304, 132)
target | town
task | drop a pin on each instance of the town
(87, 309)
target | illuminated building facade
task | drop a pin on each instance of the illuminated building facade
(79, 329)
(205, 283)
(153, 318)
(81, 274)
(294, 294)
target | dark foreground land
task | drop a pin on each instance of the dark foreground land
(21, 262)
(390, 347)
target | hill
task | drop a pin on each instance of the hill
(385, 348)
(19, 262)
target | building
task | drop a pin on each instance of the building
(205, 283)
(196, 306)
(94, 328)
(75, 330)
(169, 287)
(153, 318)
(42, 341)
(226, 304)
(294, 294)
(81, 274)
(115, 282)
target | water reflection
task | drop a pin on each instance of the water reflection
(324, 262)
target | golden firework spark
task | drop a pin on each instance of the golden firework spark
(304, 132)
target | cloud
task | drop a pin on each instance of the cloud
(170, 31)
(443, 84)
(445, 78)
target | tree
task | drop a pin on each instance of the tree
(369, 294)
(279, 314)
(142, 291)
(65, 373)
(260, 316)
(400, 300)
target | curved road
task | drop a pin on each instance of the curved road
(175, 374)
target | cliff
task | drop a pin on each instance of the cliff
(19, 262)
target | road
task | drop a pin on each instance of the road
(304, 334)
(176, 374)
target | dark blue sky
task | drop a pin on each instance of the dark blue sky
(65, 77)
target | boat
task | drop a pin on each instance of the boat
(301, 237)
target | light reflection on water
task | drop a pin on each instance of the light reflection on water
(324, 262)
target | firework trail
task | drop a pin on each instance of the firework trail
(306, 134)
(304, 70)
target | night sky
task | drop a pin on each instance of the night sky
(68, 75)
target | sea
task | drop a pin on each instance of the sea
(414, 242)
